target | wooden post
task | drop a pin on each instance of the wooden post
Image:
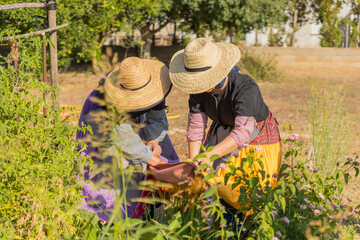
(51, 8)
(15, 54)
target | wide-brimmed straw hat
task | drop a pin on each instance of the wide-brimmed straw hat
(137, 84)
(202, 65)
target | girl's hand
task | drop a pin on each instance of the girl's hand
(155, 147)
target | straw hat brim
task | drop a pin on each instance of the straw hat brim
(199, 82)
(150, 95)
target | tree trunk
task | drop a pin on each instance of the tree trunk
(146, 48)
(94, 64)
(294, 26)
(358, 32)
(256, 37)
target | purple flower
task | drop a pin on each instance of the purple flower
(336, 234)
(357, 163)
(274, 213)
(236, 155)
(334, 206)
(275, 175)
(223, 166)
(285, 219)
(320, 208)
(349, 159)
(312, 206)
(300, 217)
(316, 211)
(310, 169)
(306, 200)
(257, 196)
(342, 206)
(302, 206)
(278, 233)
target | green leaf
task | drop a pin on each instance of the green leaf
(200, 155)
(292, 188)
(226, 178)
(282, 203)
(253, 182)
(209, 193)
(175, 222)
(346, 177)
(214, 157)
(207, 177)
(282, 169)
(233, 169)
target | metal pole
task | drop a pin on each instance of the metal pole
(51, 8)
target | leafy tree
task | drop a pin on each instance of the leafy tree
(326, 12)
(90, 22)
(298, 13)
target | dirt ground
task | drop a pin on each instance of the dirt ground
(288, 99)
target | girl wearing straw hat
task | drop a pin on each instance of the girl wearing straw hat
(241, 119)
(135, 90)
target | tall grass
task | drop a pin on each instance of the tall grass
(331, 129)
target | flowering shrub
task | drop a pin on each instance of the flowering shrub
(302, 203)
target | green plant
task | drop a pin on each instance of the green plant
(39, 161)
(301, 205)
(261, 67)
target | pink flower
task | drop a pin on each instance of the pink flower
(278, 233)
(258, 149)
(302, 206)
(316, 211)
(294, 136)
(274, 213)
(223, 166)
(244, 145)
(275, 238)
(336, 197)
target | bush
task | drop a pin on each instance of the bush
(259, 66)
(39, 190)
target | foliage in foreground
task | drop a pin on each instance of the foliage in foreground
(39, 163)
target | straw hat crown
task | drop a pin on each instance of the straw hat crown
(202, 65)
(132, 74)
(201, 54)
(137, 84)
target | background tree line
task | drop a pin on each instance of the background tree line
(91, 21)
